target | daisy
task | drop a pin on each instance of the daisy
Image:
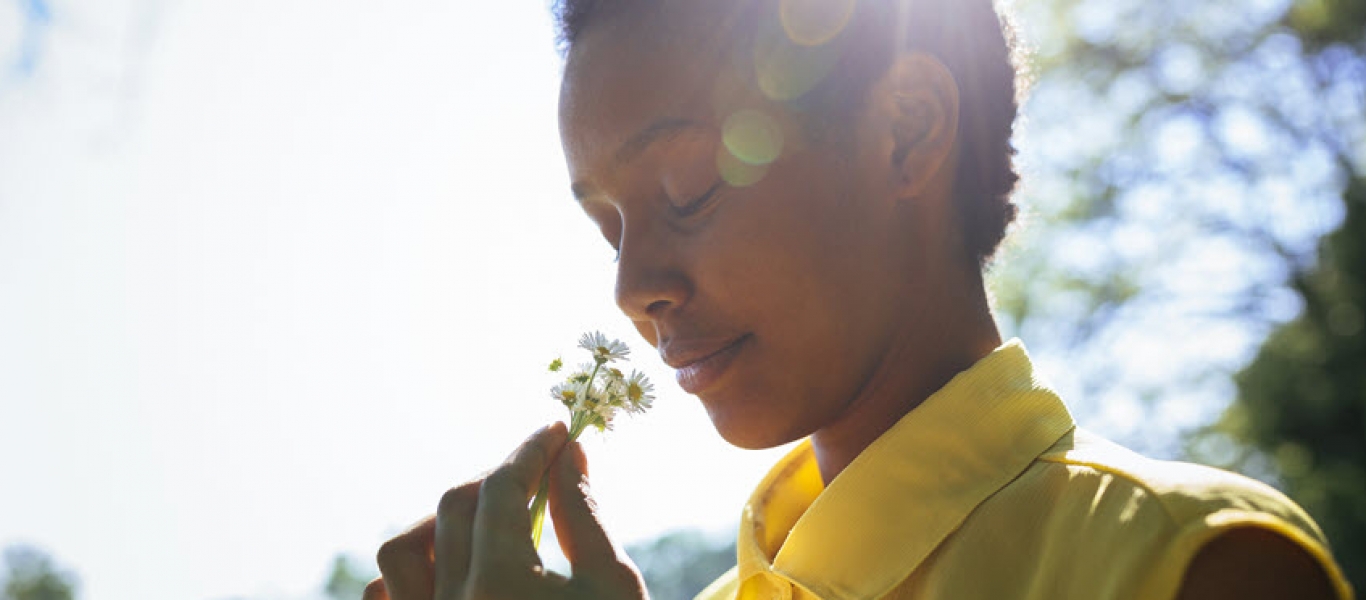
(568, 393)
(583, 374)
(594, 393)
(614, 384)
(603, 349)
(639, 393)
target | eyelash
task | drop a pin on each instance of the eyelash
(695, 205)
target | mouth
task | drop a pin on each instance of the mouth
(701, 363)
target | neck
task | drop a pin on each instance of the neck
(921, 359)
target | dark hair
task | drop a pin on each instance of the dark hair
(975, 42)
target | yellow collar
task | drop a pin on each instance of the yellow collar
(866, 532)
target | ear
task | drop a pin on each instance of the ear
(917, 100)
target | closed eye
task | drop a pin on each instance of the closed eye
(699, 203)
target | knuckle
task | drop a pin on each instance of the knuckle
(375, 590)
(392, 552)
(503, 480)
(456, 501)
(385, 556)
(538, 455)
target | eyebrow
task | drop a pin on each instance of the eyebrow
(638, 143)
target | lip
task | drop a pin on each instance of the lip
(700, 363)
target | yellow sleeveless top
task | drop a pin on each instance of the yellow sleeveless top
(989, 490)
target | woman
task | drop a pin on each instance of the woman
(802, 195)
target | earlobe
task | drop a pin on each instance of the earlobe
(921, 98)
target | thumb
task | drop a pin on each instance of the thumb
(575, 515)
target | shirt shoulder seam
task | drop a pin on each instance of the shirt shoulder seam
(1121, 474)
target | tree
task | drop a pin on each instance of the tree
(1302, 402)
(1196, 176)
(30, 574)
(1181, 161)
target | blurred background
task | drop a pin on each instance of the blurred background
(274, 275)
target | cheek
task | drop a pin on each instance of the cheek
(809, 235)
(776, 246)
(825, 265)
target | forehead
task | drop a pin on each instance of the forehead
(673, 60)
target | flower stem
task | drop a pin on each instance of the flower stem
(538, 511)
(538, 504)
(578, 422)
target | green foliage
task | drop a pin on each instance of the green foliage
(1193, 169)
(30, 574)
(1322, 22)
(678, 565)
(348, 578)
(1302, 401)
(1181, 159)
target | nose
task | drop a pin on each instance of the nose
(650, 278)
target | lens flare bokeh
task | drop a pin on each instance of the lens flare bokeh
(814, 22)
(736, 172)
(784, 69)
(752, 136)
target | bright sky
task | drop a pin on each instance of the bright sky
(274, 275)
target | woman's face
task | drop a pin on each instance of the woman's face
(775, 300)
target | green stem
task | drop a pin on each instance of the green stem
(538, 512)
(578, 422)
(538, 505)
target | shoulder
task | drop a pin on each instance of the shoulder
(1185, 492)
(1194, 529)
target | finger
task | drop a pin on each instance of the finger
(454, 527)
(405, 562)
(502, 523)
(584, 541)
(375, 590)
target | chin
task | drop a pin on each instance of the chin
(752, 430)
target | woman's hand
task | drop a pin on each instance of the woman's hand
(478, 544)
